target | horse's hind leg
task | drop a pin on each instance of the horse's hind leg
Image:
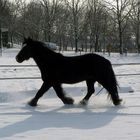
(112, 90)
(40, 93)
(90, 91)
(60, 93)
(114, 95)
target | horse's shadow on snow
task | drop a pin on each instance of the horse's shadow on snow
(71, 117)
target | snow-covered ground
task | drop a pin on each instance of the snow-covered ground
(51, 120)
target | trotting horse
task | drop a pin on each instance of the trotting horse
(57, 69)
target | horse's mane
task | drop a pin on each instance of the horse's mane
(43, 46)
(40, 46)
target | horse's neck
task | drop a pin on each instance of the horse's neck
(45, 58)
(39, 58)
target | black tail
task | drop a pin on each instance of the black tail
(113, 90)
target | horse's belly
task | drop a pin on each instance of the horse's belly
(68, 76)
(71, 79)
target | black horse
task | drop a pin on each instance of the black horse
(57, 69)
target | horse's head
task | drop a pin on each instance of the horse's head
(25, 53)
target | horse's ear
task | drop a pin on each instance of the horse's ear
(25, 39)
(29, 39)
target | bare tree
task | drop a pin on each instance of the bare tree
(62, 27)
(135, 16)
(75, 7)
(95, 19)
(21, 21)
(84, 32)
(14, 14)
(50, 13)
(34, 18)
(138, 25)
(3, 18)
(76, 23)
(121, 10)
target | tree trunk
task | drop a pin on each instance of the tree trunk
(120, 38)
(138, 39)
(0, 40)
(138, 28)
(76, 44)
(76, 33)
(96, 43)
(120, 43)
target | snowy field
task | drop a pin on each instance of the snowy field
(51, 120)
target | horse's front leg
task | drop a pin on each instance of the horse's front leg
(40, 93)
(60, 93)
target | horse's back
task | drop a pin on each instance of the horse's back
(90, 64)
(89, 59)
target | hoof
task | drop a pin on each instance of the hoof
(118, 102)
(32, 102)
(83, 102)
(68, 100)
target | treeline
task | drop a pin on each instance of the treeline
(94, 25)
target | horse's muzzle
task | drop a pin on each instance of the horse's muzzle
(18, 60)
